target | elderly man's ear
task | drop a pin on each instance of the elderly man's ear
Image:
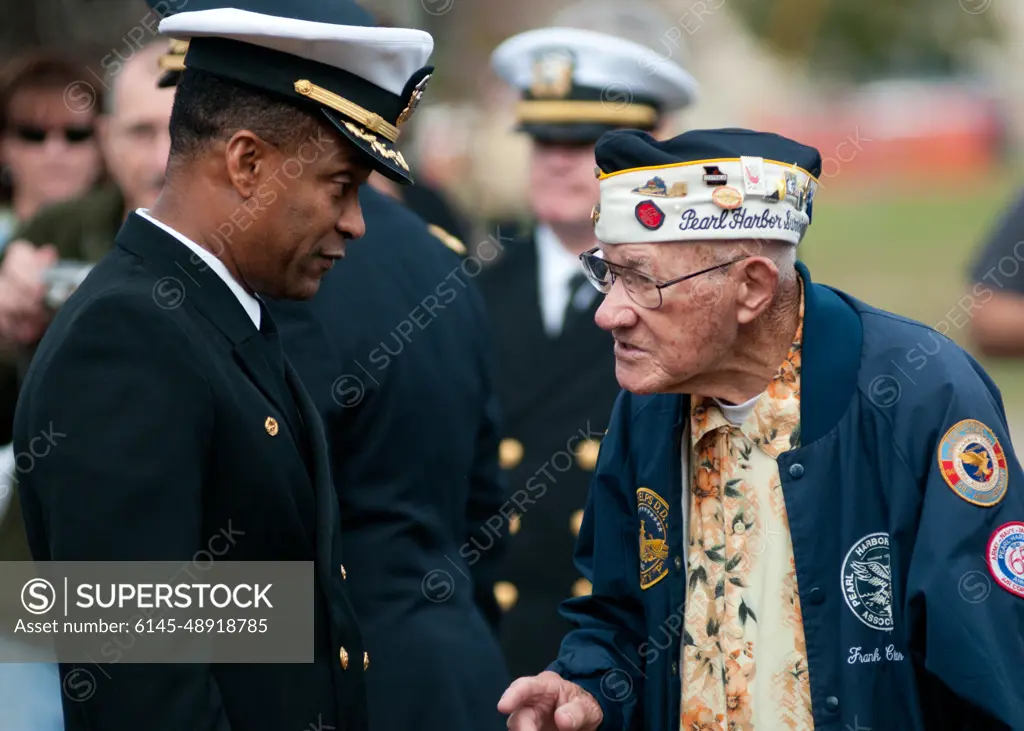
(757, 283)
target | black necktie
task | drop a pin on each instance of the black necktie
(275, 353)
(573, 309)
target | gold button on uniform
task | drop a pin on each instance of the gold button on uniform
(514, 524)
(507, 594)
(271, 426)
(582, 587)
(575, 522)
(366, 660)
(344, 574)
(586, 454)
(343, 654)
(510, 453)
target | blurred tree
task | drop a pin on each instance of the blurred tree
(869, 39)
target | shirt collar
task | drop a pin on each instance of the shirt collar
(250, 303)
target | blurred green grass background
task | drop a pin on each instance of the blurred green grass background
(909, 251)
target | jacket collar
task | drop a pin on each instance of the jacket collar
(832, 338)
(184, 279)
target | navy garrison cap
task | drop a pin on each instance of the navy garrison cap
(720, 184)
(327, 57)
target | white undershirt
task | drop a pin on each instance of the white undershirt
(555, 267)
(250, 303)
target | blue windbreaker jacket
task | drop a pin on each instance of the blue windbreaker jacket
(883, 403)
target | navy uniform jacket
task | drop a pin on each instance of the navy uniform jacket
(161, 386)
(878, 395)
(556, 395)
(394, 350)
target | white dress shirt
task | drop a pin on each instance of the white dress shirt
(250, 303)
(555, 267)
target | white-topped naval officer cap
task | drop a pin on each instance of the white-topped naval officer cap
(323, 56)
(578, 84)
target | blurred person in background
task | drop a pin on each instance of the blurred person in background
(133, 133)
(48, 148)
(997, 295)
(556, 369)
(48, 153)
(135, 143)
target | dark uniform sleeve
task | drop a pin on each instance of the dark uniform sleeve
(966, 623)
(608, 625)
(1000, 263)
(126, 415)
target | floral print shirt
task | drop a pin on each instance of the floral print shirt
(744, 656)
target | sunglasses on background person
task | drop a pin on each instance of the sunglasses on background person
(35, 135)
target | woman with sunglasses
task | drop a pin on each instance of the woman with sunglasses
(48, 150)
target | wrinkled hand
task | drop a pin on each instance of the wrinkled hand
(548, 702)
(23, 314)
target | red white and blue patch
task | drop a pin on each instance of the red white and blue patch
(973, 463)
(1006, 557)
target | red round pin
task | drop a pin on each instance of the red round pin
(649, 215)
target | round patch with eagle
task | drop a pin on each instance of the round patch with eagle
(973, 463)
(867, 581)
(652, 510)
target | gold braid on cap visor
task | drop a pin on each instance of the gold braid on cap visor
(372, 122)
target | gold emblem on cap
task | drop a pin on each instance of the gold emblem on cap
(174, 59)
(595, 214)
(365, 117)
(552, 74)
(507, 594)
(586, 453)
(414, 101)
(271, 426)
(510, 453)
(377, 146)
(727, 197)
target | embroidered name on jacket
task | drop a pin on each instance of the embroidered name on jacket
(652, 510)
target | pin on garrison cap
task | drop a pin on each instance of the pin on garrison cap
(577, 84)
(329, 58)
(704, 185)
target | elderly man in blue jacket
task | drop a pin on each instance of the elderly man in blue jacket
(806, 513)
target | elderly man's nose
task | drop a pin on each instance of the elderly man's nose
(616, 311)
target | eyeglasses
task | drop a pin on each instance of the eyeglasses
(37, 135)
(642, 289)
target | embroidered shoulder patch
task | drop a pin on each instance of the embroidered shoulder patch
(1006, 557)
(653, 513)
(973, 463)
(867, 581)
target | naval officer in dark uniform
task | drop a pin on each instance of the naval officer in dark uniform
(165, 371)
(411, 499)
(556, 371)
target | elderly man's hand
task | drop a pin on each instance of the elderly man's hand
(23, 315)
(548, 702)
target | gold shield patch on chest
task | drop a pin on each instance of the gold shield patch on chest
(652, 510)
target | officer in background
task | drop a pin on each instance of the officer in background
(556, 370)
(395, 352)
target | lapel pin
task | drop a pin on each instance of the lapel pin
(271, 426)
